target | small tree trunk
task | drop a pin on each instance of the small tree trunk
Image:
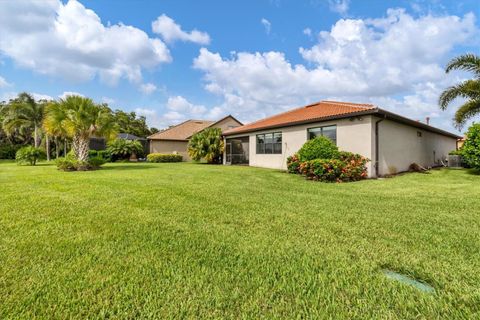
(65, 147)
(35, 137)
(81, 147)
(47, 146)
(56, 147)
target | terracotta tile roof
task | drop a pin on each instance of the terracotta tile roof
(181, 131)
(318, 111)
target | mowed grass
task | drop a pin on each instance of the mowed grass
(199, 241)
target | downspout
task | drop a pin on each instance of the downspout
(377, 161)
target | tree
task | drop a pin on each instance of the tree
(22, 114)
(471, 148)
(81, 119)
(468, 89)
(206, 144)
(128, 122)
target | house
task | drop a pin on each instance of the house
(175, 138)
(390, 141)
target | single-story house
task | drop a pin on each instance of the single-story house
(175, 138)
(390, 141)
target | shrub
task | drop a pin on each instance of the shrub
(293, 164)
(122, 149)
(206, 144)
(159, 157)
(29, 155)
(92, 153)
(334, 170)
(8, 151)
(471, 148)
(66, 164)
(318, 148)
(96, 162)
(104, 154)
(455, 152)
(69, 163)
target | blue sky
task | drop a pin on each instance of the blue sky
(174, 60)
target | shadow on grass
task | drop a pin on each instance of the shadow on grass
(474, 172)
(124, 167)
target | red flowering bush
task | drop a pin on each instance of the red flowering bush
(293, 164)
(346, 166)
(335, 170)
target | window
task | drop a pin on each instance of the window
(269, 143)
(328, 131)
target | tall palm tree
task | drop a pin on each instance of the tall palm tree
(468, 89)
(55, 129)
(80, 118)
(24, 113)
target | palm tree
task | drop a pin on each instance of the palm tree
(206, 144)
(24, 113)
(55, 129)
(468, 89)
(79, 118)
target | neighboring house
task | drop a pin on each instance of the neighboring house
(390, 141)
(175, 138)
(97, 143)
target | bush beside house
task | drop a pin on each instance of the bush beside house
(470, 150)
(159, 157)
(320, 160)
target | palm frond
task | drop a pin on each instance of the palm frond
(466, 62)
(469, 89)
(468, 110)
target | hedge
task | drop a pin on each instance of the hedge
(160, 157)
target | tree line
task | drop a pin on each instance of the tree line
(60, 125)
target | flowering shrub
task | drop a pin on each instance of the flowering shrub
(343, 167)
(335, 170)
(159, 157)
(293, 164)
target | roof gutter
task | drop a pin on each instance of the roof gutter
(377, 111)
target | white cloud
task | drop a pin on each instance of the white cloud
(4, 83)
(307, 32)
(40, 96)
(267, 25)
(69, 93)
(357, 60)
(171, 31)
(145, 112)
(108, 100)
(70, 41)
(339, 6)
(148, 88)
(177, 109)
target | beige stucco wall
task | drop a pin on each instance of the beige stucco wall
(400, 146)
(170, 146)
(354, 136)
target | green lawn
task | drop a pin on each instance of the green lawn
(200, 241)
